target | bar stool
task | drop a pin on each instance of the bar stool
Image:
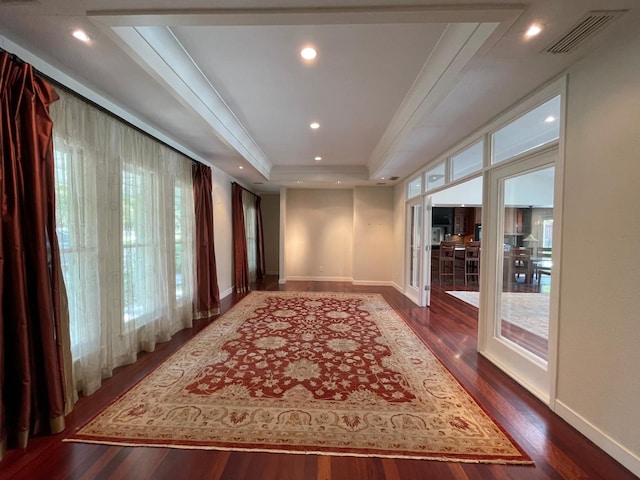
(472, 261)
(446, 260)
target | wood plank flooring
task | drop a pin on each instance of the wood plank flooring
(448, 327)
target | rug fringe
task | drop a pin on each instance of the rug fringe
(438, 458)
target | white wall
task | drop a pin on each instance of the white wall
(222, 229)
(399, 209)
(372, 235)
(599, 324)
(319, 234)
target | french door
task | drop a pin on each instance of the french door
(419, 248)
(425, 288)
(518, 316)
(414, 249)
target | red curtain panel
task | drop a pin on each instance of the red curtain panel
(207, 293)
(32, 375)
(241, 261)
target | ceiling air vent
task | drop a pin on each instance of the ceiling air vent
(588, 26)
(393, 179)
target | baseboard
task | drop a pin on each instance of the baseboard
(318, 279)
(627, 458)
(373, 283)
(226, 292)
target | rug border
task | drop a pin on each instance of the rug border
(524, 459)
(473, 397)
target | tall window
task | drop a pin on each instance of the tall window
(137, 245)
(78, 241)
(251, 232)
(180, 236)
(125, 221)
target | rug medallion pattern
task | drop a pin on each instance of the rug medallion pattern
(306, 372)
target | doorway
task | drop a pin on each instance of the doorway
(518, 308)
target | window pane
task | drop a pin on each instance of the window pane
(467, 162)
(178, 226)
(526, 282)
(135, 251)
(416, 230)
(415, 188)
(547, 233)
(435, 177)
(534, 129)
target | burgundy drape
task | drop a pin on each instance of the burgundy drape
(260, 257)
(207, 296)
(32, 376)
(240, 259)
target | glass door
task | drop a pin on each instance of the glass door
(425, 289)
(414, 234)
(517, 313)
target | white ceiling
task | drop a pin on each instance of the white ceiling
(394, 84)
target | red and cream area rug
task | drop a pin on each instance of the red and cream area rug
(325, 373)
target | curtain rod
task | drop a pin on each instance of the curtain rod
(97, 106)
(245, 189)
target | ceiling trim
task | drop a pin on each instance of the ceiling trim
(147, 37)
(345, 174)
(57, 75)
(310, 16)
(158, 51)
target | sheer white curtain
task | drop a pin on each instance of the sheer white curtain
(125, 219)
(251, 232)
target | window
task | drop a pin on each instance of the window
(533, 129)
(415, 187)
(125, 219)
(467, 162)
(137, 245)
(180, 237)
(547, 233)
(436, 177)
(251, 232)
(77, 240)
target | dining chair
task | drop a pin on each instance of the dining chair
(521, 263)
(446, 260)
(472, 261)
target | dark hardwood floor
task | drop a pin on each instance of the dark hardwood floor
(448, 327)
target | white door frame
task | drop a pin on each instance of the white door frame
(425, 287)
(413, 292)
(534, 374)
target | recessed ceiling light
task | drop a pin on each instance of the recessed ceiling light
(533, 30)
(241, 167)
(81, 35)
(317, 159)
(314, 125)
(550, 119)
(308, 53)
